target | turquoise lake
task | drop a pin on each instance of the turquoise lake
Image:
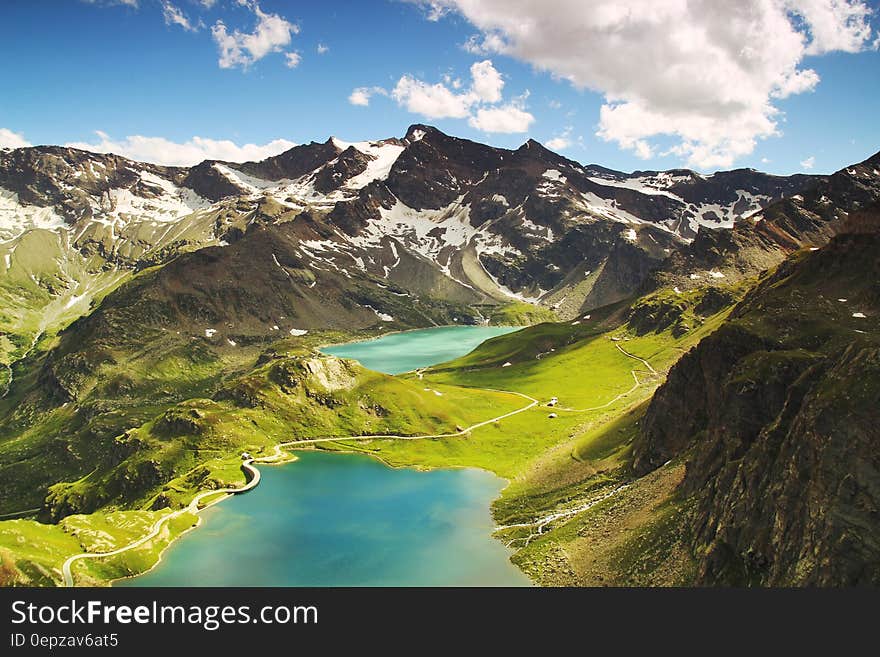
(349, 520)
(407, 351)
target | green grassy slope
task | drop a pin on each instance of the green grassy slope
(576, 464)
(155, 421)
(145, 455)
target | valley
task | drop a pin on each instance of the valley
(657, 342)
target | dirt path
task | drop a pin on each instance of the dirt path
(621, 395)
(192, 507)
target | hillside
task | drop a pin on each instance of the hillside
(158, 321)
(776, 414)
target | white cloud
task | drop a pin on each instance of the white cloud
(832, 25)
(272, 33)
(322, 49)
(435, 10)
(507, 118)
(561, 141)
(208, 4)
(434, 101)
(164, 151)
(479, 103)
(9, 139)
(809, 163)
(361, 96)
(703, 72)
(765, 160)
(174, 16)
(485, 44)
(292, 59)
(487, 81)
(558, 143)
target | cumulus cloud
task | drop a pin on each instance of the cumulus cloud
(272, 33)
(833, 24)
(174, 16)
(361, 96)
(506, 118)
(809, 162)
(479, 103)
(706, 74)
(322, 49)
(434, 101)
(435, 10)
(487, 82)
(292, 59)
(164, 151)
(10, 139)
(561, 141)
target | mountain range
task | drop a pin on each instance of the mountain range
(442, 217)
(143, 306)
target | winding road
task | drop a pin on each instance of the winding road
(621, 395)
(192, 507)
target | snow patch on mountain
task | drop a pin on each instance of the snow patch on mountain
(250, 184)
(17, 217)
(426, 232)
(384, 156)
(605, 208)
(635, 184)
(543, 232)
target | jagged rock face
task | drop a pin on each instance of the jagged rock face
(808, 218)
(293, 163)
(435, 169)
(778, 413)
(67, 179)
(811, 217)
(207, 181)
(350, 163)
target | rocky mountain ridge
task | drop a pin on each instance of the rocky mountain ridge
(439, 216)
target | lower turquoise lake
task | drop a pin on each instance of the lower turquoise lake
(349, 520)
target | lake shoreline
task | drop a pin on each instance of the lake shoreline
(379, 336)
(292, 449)
(494, 482)
(293, 458)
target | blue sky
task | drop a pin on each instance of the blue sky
(154, 75)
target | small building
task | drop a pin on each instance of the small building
(552, 415)
(245, 456)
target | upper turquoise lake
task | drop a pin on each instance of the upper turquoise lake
(407, 351)
(349, 520)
